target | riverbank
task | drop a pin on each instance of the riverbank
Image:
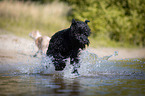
(16, 49)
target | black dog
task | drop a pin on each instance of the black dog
(68, 43)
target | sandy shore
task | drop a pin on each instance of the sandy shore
(14, 49)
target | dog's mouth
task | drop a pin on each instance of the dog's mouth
(82, 39)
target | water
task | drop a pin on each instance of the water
(98, 76)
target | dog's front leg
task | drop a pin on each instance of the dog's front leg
(74, 60)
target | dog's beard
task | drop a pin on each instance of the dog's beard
(82, 40)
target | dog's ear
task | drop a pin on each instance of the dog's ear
(73, 21)
(86, 21)
(37, 31)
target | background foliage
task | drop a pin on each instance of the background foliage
(121, 21)
(114, 23)
(21, 18)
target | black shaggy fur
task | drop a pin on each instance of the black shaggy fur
(68, 43)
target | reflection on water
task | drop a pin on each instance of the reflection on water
(36, 84)
(98, 76)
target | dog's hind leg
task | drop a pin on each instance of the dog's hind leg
(36, 53)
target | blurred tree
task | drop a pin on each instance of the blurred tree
(122, 21)
(39, 1)
(118, 20)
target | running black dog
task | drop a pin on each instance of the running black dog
(68, 43)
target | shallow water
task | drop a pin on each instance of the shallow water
(98, 76)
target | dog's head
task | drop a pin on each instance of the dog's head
(35, 34)
(80, 32)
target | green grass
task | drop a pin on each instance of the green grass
(22, 18)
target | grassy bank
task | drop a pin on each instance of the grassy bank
(21, 18)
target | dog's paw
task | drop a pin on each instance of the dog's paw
(35, 55)
(59, 68)
(75, 71)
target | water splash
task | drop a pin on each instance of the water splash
(90, 65)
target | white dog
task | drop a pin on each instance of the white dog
(41, 42)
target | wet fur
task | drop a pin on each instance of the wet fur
(67, 43)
